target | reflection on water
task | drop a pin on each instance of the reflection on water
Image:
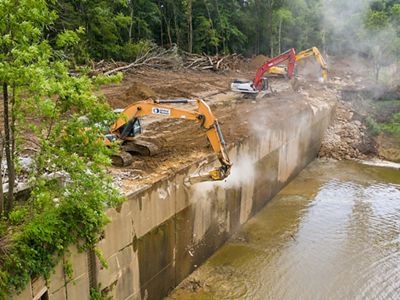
(333, 233)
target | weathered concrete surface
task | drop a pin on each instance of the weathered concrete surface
(163, 232)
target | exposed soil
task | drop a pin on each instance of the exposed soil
(165, 84)
(256, 62)
(182, 142)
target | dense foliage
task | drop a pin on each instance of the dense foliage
(42, 114)
(112, 28)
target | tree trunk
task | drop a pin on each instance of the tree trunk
(167, 23)
(270, 27)
(13, 131)
(280, 36)
(323, 42)
(131, 25)
(221, 27)
(377, 71)
(190, 21)
(177, 31)
(9, 156)
(211, 22)
(258, 27)
(161, 25)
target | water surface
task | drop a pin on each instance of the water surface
(333, 233)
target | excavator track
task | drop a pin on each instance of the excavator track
(140, 147)
(124, 157)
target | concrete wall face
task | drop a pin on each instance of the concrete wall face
(162, 233)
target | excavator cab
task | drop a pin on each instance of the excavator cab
(264, 84)
(132, 129)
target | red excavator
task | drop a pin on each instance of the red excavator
(260, 83)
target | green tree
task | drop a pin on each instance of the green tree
(283, 15)
(43, 104)
(379, 31)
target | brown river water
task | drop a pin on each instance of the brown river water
(332, 233)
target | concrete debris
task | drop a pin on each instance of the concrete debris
(119, 177)
(346, 138)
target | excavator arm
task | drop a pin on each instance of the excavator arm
(203, 115)
(304, 54)
(320, 59)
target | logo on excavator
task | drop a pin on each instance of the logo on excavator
(161, 111)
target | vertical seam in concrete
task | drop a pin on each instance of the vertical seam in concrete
(92, 270)
(175, 229)
(65, 279)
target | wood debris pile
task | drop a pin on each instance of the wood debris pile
(161, 58)
(215, 63)
(103, 66)
(156, 57)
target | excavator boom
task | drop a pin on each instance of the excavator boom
(289, 55)
(203, 115)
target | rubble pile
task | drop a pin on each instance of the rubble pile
(346, 138)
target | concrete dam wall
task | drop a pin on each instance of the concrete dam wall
(165, 231)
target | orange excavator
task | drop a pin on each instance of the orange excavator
(127, 128)
(260, 83)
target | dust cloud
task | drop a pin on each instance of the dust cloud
(348, 35)
(242, 172)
